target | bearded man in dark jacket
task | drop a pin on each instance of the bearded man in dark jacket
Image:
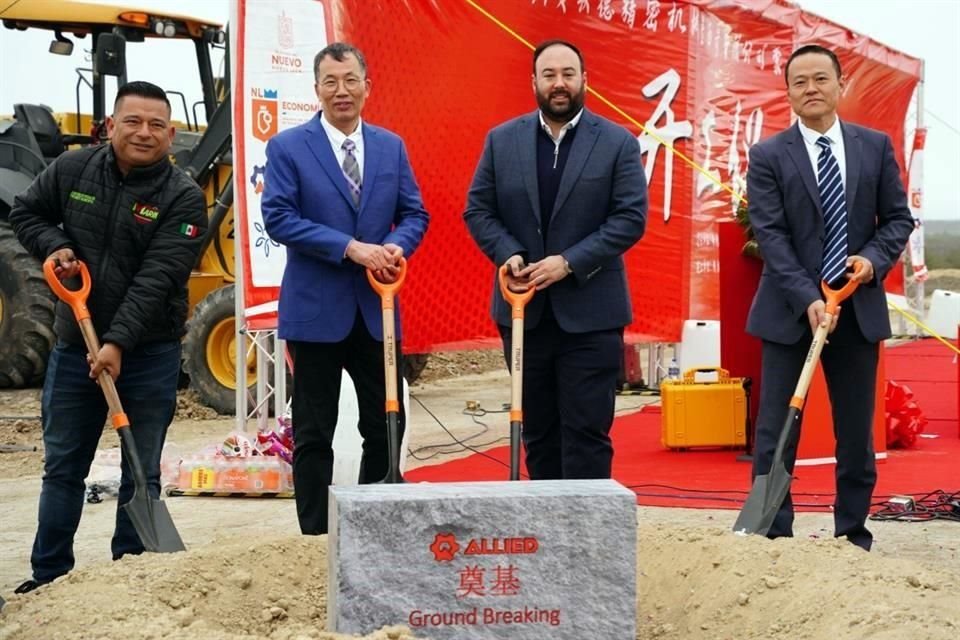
(137, 221)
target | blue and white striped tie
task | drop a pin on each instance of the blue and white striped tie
(833, 201)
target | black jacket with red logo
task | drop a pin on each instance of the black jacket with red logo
(139, 234)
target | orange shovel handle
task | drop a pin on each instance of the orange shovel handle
(835, 296)
(387, 290)
(76, 299)
(517, 301)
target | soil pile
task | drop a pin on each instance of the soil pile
(712, 584)
(273, 590)
(693, 582)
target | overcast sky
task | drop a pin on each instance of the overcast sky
(927, 29)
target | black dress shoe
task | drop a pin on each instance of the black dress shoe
(28, 586)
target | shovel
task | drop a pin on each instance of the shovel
(387, 292)
(149, 516)
(517, 302)
(770, 489)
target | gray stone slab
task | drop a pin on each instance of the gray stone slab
(471, 560)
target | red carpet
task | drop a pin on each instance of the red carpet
(716, 479)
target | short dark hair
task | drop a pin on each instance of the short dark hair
(143, 90)
(338, 51)
(543, 46)
(812, 48)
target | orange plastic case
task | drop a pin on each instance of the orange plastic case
(704, 413)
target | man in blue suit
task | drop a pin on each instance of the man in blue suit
(559, 196)
(823, 196)
(340, 194)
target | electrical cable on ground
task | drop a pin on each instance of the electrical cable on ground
(936, 505)
(463, 443)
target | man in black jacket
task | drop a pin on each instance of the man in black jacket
(137, 222)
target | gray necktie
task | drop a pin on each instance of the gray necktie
(351, 170)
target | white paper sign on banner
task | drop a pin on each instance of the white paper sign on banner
(917, 258)
(280, 41)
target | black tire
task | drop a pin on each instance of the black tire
(208, 323)
(413, 366)
(26, 314)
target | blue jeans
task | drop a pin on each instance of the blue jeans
(73, 412)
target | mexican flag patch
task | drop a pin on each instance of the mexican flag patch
(190, 230)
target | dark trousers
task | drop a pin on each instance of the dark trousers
(569, 396)
(317, 371)
(73, 413)
(850, 367)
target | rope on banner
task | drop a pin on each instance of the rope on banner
(615, 108)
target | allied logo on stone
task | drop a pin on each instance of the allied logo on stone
(444, 547)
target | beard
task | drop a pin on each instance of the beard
(565, 113)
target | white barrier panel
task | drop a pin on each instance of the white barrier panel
(347, 443)
(944, 313)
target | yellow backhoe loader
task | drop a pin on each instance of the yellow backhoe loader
(33, 136)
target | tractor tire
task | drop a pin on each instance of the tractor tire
(26, 315)
(209, 352)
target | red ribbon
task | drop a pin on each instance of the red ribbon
(904, 418)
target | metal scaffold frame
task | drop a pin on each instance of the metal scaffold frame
(269, 351)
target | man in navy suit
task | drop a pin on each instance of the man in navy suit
(559, 195)
(340, 194)
(823, 196)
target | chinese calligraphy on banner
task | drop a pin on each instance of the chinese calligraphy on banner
(704, 77)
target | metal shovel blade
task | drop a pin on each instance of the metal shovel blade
(769, 489)
(760, 509)
(153, 524)
(393, 450)
(515, 429)
(149, 516)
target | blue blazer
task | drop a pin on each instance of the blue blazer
(785, 213)
(307, 207)
(599, 213)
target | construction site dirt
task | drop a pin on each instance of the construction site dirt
(247, 574)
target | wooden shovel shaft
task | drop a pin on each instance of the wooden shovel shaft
(517, 302)
(117, 414)
(390, 360)
(121, 423)
(516, 371)
(387, 292)
(810, 364)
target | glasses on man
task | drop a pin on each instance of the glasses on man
(350, 83)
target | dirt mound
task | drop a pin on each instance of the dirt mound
(190, 407)
(948, 279)
(697, 583)
(272, 590)
(21, 449)
(692, 583)
(453, 364)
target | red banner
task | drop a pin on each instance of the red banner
(704, 77)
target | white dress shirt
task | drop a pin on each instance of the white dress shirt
(563, 131)
(336, 138)
(835, 135)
